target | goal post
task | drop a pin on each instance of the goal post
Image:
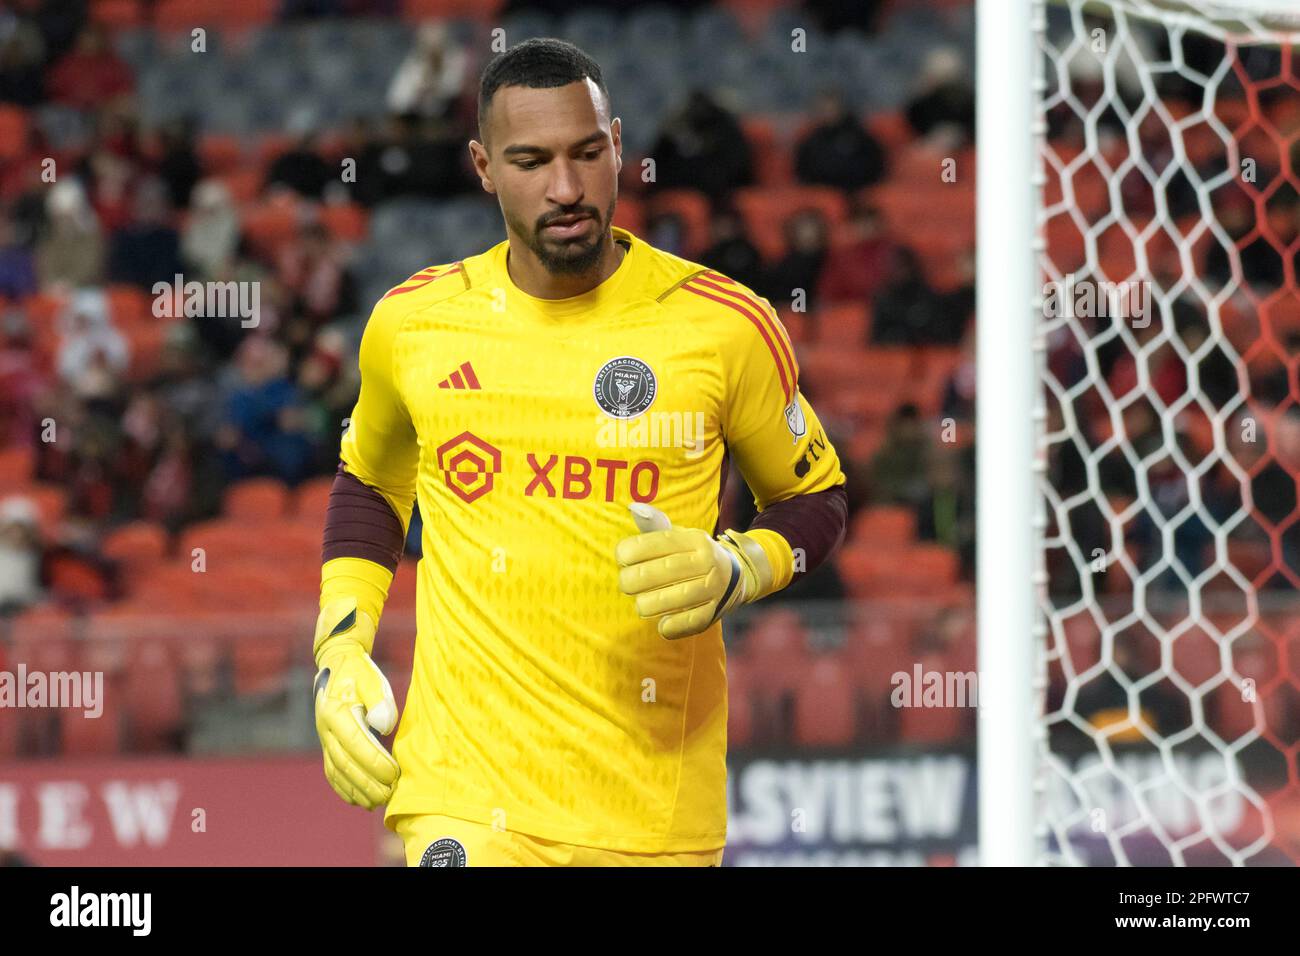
(1138, 431)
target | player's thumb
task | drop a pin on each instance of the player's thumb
(649, 518)
(376, 695)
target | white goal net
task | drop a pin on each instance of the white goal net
(1168, 432)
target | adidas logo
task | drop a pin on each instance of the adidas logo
(463, 377)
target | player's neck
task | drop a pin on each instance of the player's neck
(531, 277)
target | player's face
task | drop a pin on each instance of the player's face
(554, 163)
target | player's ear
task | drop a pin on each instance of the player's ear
(478, 155)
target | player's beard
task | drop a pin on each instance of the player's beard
(568, 256)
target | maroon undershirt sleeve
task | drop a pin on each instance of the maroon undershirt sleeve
(359, 523)
(814, 522)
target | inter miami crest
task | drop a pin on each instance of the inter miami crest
(444, 852)
(624, 387)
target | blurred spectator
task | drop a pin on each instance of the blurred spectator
(944, 104)
(20, 381)
(703, 147)
(179, 164)
(113, 170)
(900, 468)
(22, 65)
(221, 335)
(667, 231)
(264, 428)
(908, 311)
(90, 75)
(328, 397)
(71, 250)
(17, 265)
(947, 511)
(20, 555)
(211, 236)
(838, 151)
(301, 168)
(801, 266)
(731, 252)
(317, 285)
(432, 77)
(833, 15)
(855, 269)
(411, 158)
(92, 353)
(959, 392)
(147, 250)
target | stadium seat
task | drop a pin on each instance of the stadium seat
(884, 525)
(824, 704)
(261, 663)
(220, 154)
(154, 708)
(137, 544)
(84, 736)
(773, 162)
(310, 500)
(740, 703)
(765, 209)
(116, 14)
(843, 324)
(256, 500)
(345, 221)
(692, 208)
(16, 463)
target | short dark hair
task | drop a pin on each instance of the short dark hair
(540, 63)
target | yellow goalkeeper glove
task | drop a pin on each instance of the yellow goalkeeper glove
(685, 576)
(350, 693)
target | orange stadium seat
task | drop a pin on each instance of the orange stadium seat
(83, 736)
(146, 341)
(775, 647)
(136, 543)
(244, 184)
(129, 305)
(310, 500)
(938, 365)
(16, 464)
(256, 500)
(152, 690)
(891, 129)
(220, 154)
(184, 15)
(269, 225)
(824, 704)
(846, 323)
(50, 502)
(692, 208)
(773, 160)
(740, 706)
(14, 123)
(261, 663)
(345, 221)
(884, 525)
(766, 209)
(116, 13)
(630, 215)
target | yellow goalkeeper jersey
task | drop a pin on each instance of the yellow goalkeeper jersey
(539, 701)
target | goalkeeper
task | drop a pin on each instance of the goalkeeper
(563, 408)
